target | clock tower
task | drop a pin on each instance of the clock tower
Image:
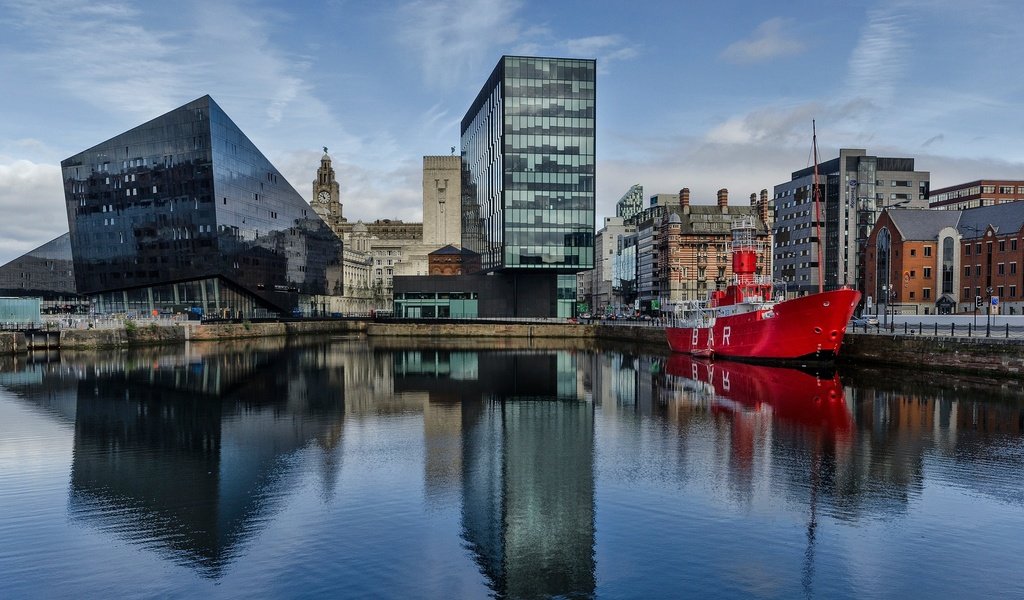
(326, 195)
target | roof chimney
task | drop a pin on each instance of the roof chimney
(723, 198)
(763, 206)
(753, 199)
(684, 197)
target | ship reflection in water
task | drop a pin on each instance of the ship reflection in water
(810, 398)
(353, 469)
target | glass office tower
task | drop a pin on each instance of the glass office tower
(184, 213)
(528, 169)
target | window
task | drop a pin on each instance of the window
(1013, 268)
(967, 249)
(913, 252)
(926, 294)
(1013, 245)
(999, 291)
(927, 272)
(977, 270)
(1001, 269)
(911, 294)
(927, 250)
(1013, 291)
(913, 274)
(1002, 245)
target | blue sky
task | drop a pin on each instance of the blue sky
(692, 94)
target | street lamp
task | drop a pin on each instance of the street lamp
(988, 311)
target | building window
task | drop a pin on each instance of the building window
(999, 291)
(967, 293)
(967, 249)
(1013, 268)
(1001, 269)
(911, 294)
(913, 252)
(1002, 245)
(927, 250)
(927, 272)
(926, 294)
(1013, 245)
(977, 270)
(1013, 291)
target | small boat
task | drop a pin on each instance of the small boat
(744, 321)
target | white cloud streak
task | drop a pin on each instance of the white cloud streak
(31, 201)
(772, 39)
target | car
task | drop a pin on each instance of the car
(863, 321)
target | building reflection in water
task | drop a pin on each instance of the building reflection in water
(185, 450)
(526, 462)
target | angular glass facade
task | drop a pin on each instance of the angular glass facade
(185, 213)
(528, 166)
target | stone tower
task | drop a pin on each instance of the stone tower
(442, 201)
(326, 195)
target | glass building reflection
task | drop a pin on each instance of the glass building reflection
(183, 451)
(527, 463)
(184, 213)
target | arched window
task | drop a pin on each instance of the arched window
(947, 265)
(884, 289)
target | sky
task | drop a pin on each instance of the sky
(697, 94)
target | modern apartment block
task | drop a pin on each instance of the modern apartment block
(984, 192)
(631, 203)
(528, 179)
(183, 213)
(854, 189)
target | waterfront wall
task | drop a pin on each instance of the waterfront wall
(995, 356)
(956, 355)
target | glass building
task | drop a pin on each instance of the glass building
(183, 213)
(528, 176)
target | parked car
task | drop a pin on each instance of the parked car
(862, 321)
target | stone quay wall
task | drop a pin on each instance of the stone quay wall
(992, 356)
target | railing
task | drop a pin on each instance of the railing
(955, 330)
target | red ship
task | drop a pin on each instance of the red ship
(745, 322)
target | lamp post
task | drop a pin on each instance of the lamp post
(988, 311)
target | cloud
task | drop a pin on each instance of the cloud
(770, 40)
(140, 65)
(878, 63)
(452, 38)
(32, 205)
(605, 48)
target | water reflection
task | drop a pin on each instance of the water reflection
(548, 468)
(185, 450)
(527, 464)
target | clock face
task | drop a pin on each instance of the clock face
(324, 196)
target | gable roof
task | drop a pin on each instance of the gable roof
(922, 223)
(1006, 218)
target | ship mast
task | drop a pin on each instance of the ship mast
(817, 209)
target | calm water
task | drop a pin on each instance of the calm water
(342, 469)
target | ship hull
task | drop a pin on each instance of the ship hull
(809, 327)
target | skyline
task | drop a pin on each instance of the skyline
(705, 97)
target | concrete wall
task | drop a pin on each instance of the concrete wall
(960, 355)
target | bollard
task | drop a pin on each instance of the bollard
(1007, 330)
(936, 329)
(904, 327)
(968, 330)
(952, 330)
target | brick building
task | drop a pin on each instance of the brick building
(984, 192)
(942, 261)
